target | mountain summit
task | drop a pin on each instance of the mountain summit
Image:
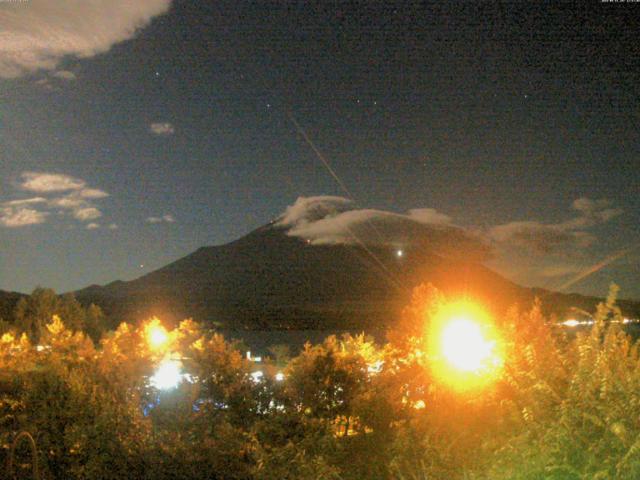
(270, 279)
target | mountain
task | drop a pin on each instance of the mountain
(269, 280)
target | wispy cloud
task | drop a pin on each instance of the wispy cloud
(92, 226)
(92, 193)
(64, 75)
(38, 34)
(545, 238)
(163, 219)
(89, 213)
(162, 128)
(26, 201)
(546, 254)
(335, 220)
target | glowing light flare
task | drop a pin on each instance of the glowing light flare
(464, 348)
(168, 375)
(156, 334)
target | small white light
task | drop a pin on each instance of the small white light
(399, 253)
(257, 376)
(279, 377)
(375, 367)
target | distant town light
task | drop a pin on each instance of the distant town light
(253, 359)
(399, 253)
(167, 376)
(572, 322)
(257, 376)
(279, 377)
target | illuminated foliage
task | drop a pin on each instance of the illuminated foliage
(562, 406)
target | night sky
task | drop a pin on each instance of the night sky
(122, 150)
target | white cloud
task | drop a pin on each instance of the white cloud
(162, 128)
(112, 226)
(63, 194)
(42, 182)
(21, 217)
(64, 75)
(335, 220)
(38, 34)
(89, 213)
(68, 202)
(163, 219)
(92, 226)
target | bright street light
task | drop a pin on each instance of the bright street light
(156, 334)
(464, 346)
(167, 376)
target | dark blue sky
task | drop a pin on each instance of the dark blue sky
(494, 115)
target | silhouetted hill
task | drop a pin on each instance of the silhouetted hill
(268, 280)
(8, 302)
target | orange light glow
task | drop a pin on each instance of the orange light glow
(464, 346)
(156, 334)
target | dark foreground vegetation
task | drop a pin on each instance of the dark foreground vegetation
(563, 407)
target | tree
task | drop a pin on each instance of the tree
(95, 322)
(34, 312)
